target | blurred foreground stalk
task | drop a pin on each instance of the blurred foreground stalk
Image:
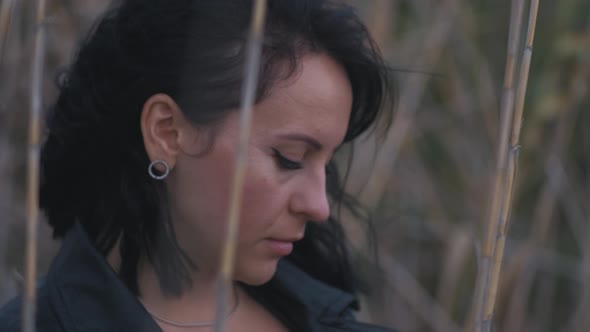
(33, 169)
(6, 8)
(248, 98)
(507, 158)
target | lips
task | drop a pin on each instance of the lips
(286, 239)
(281, 246)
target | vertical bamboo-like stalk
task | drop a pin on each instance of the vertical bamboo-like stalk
(482, 289)
(494, 241)
(6, 9)
(512, 159)
(33, 169)
(5, 15)
(249, 90)
(483, 277)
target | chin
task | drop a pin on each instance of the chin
(257, 274)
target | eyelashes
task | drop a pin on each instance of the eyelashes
(291, 165)
(286, 163)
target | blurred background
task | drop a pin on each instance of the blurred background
(428, 184)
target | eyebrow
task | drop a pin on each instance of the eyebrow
(303, 138)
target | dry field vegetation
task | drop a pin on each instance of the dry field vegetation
(429, 185)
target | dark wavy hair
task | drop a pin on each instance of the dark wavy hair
(94, 164)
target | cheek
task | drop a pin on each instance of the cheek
(257, 202)
(202, 191)
(264, 200)
(200, 194)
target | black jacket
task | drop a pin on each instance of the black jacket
(81, 293)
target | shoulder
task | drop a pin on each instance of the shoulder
(331, 309)
(10, 316)
(319, 297)
(45, 319)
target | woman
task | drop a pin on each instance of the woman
(139, 154)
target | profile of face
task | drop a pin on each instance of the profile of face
(295, 130)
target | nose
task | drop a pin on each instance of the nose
(310, 198)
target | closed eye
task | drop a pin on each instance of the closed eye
(286, 163)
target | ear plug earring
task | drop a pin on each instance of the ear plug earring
(152, 167)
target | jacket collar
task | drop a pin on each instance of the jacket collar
(88, 295)
(323, 301)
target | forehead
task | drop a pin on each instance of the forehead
(316, 100)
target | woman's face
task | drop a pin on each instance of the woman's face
(295, 130)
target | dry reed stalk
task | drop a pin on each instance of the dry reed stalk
(248, 98)
(545, 206)
(543, 310)
(5, 204)
(513, 157)
(495, 240)
(485, 90)
(409, 100)
(417, 297)
(380, 25)
(6, 9)
(580, 320)
(33, 169)
(455, 260)
(482, 288)
(365, 148)
(578, 92)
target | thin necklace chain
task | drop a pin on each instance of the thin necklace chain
(193, 324)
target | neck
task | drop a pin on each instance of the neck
(196, 304)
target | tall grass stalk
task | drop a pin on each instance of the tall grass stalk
(6, 9)
(495, 239)
(252, 66)
(408, 102)
(33, 169)
(431, 311)
(512, 158)
(482, 288)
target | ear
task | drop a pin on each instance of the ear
(162, 126)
